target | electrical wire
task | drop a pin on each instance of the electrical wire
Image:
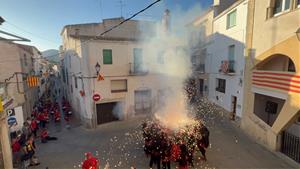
(38, 36)
(114, 27)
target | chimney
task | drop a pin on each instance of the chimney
(216, 2)
(166, 20)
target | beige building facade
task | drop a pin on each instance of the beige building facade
(17, 61)
(272, 95)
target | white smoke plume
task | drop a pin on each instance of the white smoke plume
(118, 110)
(167, 54)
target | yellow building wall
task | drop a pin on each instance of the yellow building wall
(266, 37)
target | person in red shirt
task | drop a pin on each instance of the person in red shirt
(16, 147)
(45, 136)
(90, 162)
(42, 119)
(57, 116)
(33, 126)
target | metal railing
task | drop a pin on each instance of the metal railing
(200, 68)
(137, 69)
(291, 146)
(231, 66)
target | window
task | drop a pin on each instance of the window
(231, 56)
(118, 86)
(138, 60)
(291, 66)
(231, 19)
(107, 56)
(281, 5)
(271, 107)
(25, 60)
(75, 82)
(221, 85)
(298, 3)
(231, 49)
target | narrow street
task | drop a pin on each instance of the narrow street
(120, 145)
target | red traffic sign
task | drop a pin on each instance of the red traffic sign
(96, 97)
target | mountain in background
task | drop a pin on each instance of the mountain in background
(51, 55)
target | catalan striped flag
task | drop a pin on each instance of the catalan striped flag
(284, 81)
(100, 77)
(32, 81)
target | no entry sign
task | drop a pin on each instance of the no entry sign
(96, 97)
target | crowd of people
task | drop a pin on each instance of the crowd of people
(164, 146)
(35, 128)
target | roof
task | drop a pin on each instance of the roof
(104, 38)
(27, 48)
(130, 30)
(227, 10)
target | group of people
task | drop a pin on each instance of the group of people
(164, 146)
(35, 128)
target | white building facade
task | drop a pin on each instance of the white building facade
(226, 53)
(127, 89)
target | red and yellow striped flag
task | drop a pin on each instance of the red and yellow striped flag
(32, 81)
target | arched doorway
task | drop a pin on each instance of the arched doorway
(277, 62)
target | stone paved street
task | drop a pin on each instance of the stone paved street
(118, 143)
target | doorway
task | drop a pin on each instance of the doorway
(105, 112)
(201, 87)
(142, 100)
(233, 107)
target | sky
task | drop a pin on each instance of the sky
(41, 21)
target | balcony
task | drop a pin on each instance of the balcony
(200, 68)
(227, 67)
(279, 81)
(136, 70)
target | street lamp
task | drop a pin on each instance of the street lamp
(32, 72)
(97, 67)
(298, 34)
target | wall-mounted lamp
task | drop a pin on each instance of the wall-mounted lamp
(97, 67)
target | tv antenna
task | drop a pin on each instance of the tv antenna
(121, 4)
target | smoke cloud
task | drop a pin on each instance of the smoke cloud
(167, 54)
(118, 110)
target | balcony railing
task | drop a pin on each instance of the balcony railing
(227, 66)
(276, 80)
(137, 69)
(200, 68)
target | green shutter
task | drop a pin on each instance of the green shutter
(107, 56)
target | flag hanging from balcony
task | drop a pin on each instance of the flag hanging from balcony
(224, 66)
(32, 81)
(100, 77)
